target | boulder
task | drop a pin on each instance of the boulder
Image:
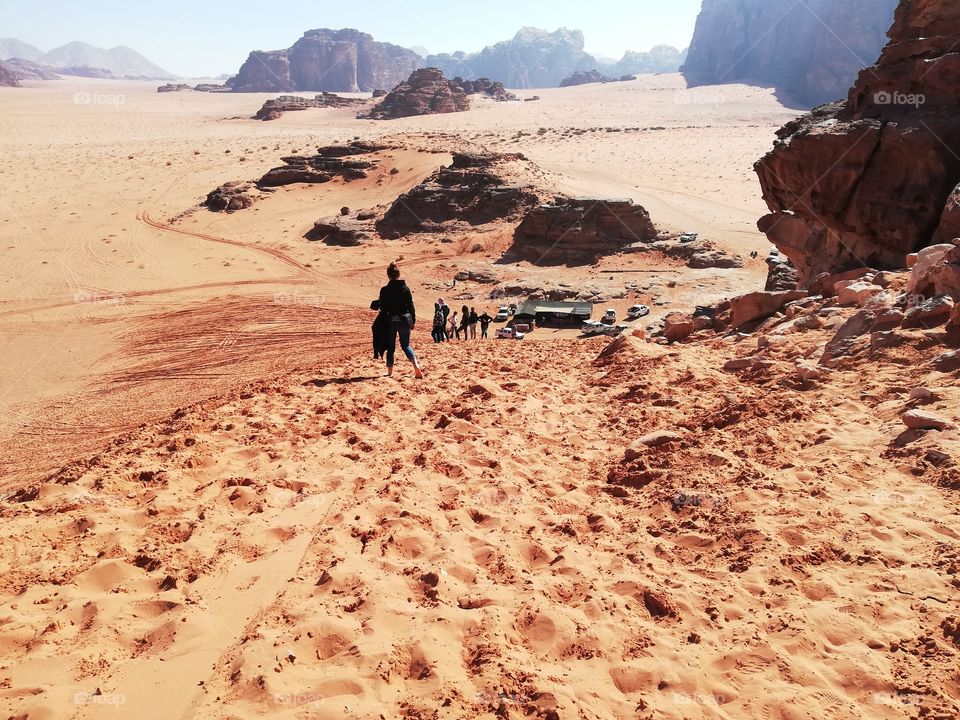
(171, 87)
(930, 313)
(856, 292)
(761, 304)
(924, 261)
(948, 361)
(677, 327)
(825, 284)
(845, 338)
(781, 276)
(655, 439)
(924, 420)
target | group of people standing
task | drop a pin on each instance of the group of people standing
(449, 325)
(397, 316)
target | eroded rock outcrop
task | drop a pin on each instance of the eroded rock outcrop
(477, 188)
(579, 231)
(327, 60)
(274, 108)
(8, 75)
(328, 163)
(868, 181)
(811, 50)
(428, 92)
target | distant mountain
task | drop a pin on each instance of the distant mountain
(810, 50)
(121, 62)
(348, 60)
(326, 60)
(659, 59)
(534, 58)
(14, 48)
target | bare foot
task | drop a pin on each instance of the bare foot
(418, 373)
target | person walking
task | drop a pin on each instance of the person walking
(439, 323)
(446, 316)
(454, 327)
(474, 319)
(464, 320)
(396, 303)
(485, 321)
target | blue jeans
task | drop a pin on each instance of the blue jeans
(401, 330)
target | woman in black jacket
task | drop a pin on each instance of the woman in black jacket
(396, 303)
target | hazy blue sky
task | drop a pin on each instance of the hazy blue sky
(199, 37)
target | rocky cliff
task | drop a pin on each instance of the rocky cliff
(7, 75)
(534, 58)
(868, 181)
(327, 60)
(809, 50)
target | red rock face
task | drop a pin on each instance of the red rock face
(866, 182)
(327, 61)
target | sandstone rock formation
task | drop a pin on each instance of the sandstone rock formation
(534, 58)
(173, 87)
(870, 180)
(320, 168)
(579, 231)
(810, 50)
(585, 77)
(8, 75)
(273, 109)
(329, 162)
(475, 189)
(428, 92)
(327, 60)
(232, 196)
(29, 70)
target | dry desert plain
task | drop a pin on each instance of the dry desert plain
(213, 505)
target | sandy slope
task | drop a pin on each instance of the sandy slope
(215, 507)
(350, 546)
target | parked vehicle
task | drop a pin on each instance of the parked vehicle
(593, 327)
(509, 333)
(609, 317)
(615, 330)
(522, 327)
(688, 237)
(513, 309)
(503, 314)
(637, 311)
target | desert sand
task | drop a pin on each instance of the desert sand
(214, 506)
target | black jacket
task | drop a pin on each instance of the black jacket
(381, 332)
(396, 299)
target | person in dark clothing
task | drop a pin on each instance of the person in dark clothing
(485, 321)
(381, 332)
(474, 319)
(446, 318)
(464, 321)
(439, 332)
(396, 303)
